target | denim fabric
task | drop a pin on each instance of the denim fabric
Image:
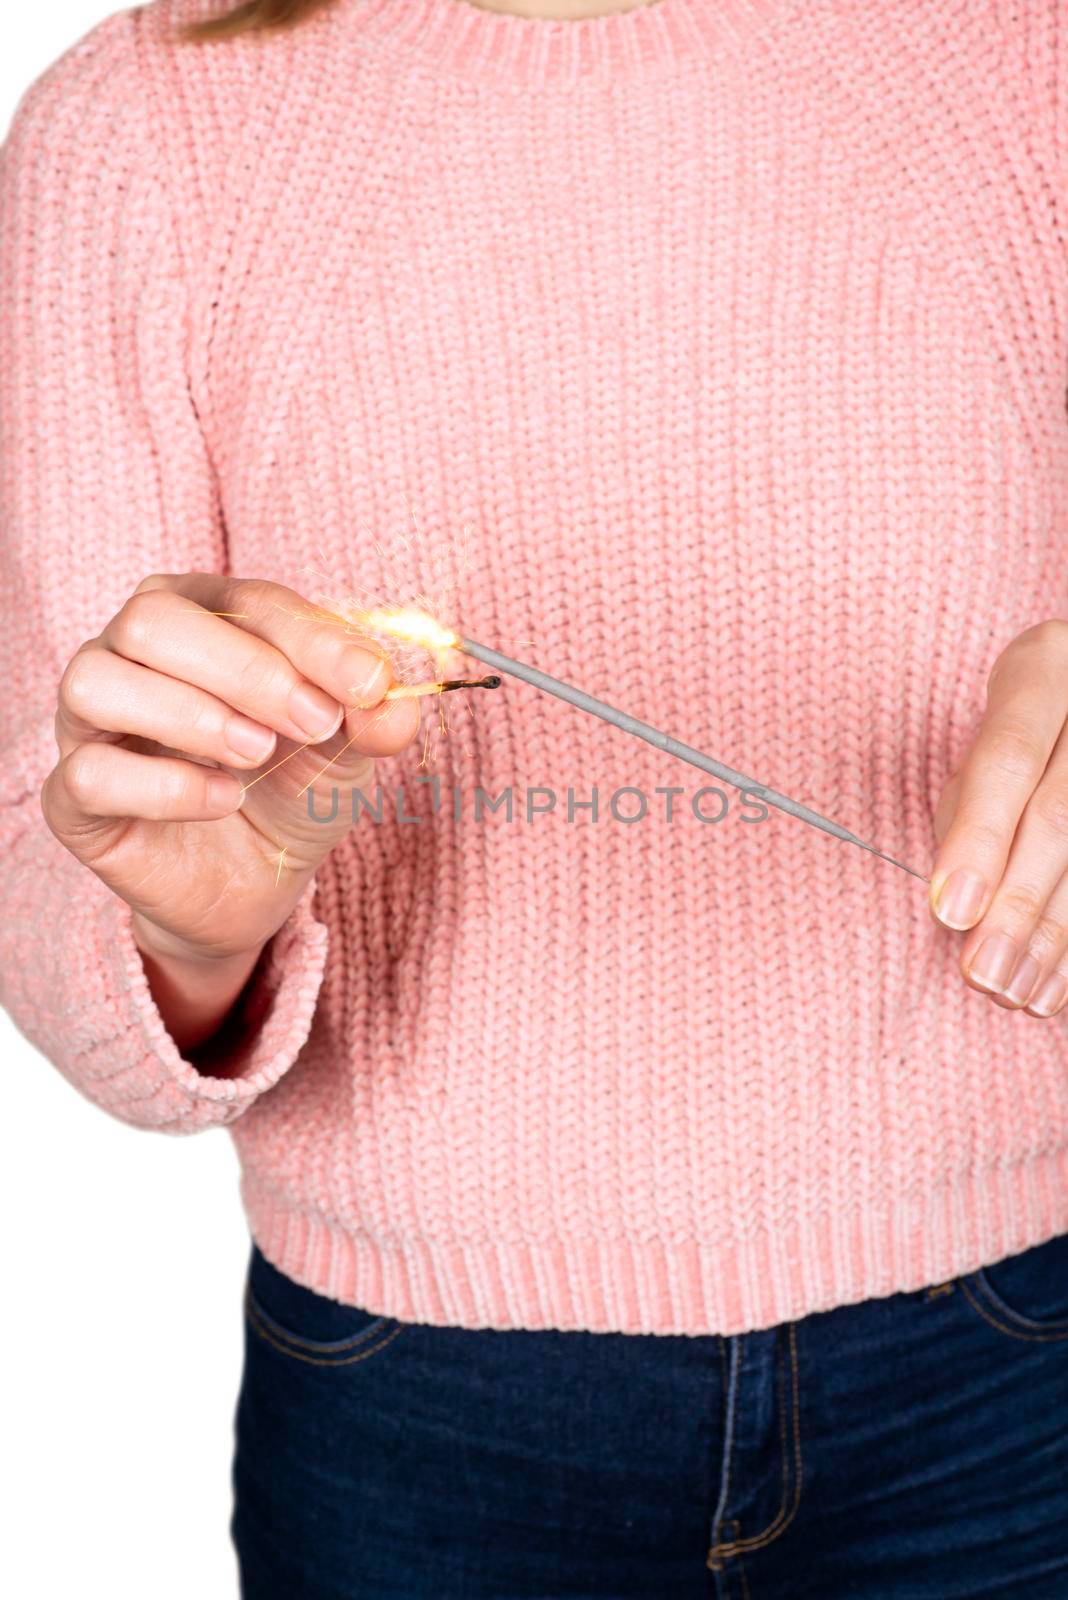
(914, 1445)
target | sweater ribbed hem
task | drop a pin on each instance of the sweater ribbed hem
(459, 36)
(628, 1285)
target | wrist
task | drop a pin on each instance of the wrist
(171, 950)
(195, 991)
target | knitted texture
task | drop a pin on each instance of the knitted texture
(711, 355)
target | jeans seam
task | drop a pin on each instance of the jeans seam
(255, 1318)
(730, 1382)
(735, 1528)
(1003, 1327)
(320, 1347)
(782, 1518)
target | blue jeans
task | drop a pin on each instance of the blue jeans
(913, 1445)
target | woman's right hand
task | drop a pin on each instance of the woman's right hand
(210, 872)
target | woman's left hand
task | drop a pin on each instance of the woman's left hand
(1002, 824)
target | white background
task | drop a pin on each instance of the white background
(122, 1276)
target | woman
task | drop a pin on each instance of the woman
(641, 1207)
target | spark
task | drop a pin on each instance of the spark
(327, 765)
(280, 857)
(266, 773)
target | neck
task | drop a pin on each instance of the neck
(559, 10)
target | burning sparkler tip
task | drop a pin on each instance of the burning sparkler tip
(410, 626)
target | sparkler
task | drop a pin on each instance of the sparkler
(417, 627)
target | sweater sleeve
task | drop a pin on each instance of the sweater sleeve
(1044, 112)
(104, 478)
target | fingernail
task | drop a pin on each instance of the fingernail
(315, 712)
(992, 966)
(1023, 980)
(1049, 996)
(224, 794)
(370, 678)
(960, 899)
(249, 738)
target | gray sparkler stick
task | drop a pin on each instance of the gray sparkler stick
(672, 747)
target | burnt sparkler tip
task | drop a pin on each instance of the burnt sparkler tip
(493, 681)
(416, 691)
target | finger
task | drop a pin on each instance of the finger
(98, 781)
(1038, 982)
(1049, 994)
(995, 955)
(1025, 714)
(101, 692)
(170, 634)
(355, 671)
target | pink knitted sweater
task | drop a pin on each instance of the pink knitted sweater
(711, 354)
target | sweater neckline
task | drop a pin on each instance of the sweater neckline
(461, 37)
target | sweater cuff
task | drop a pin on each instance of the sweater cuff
(271, 1020)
